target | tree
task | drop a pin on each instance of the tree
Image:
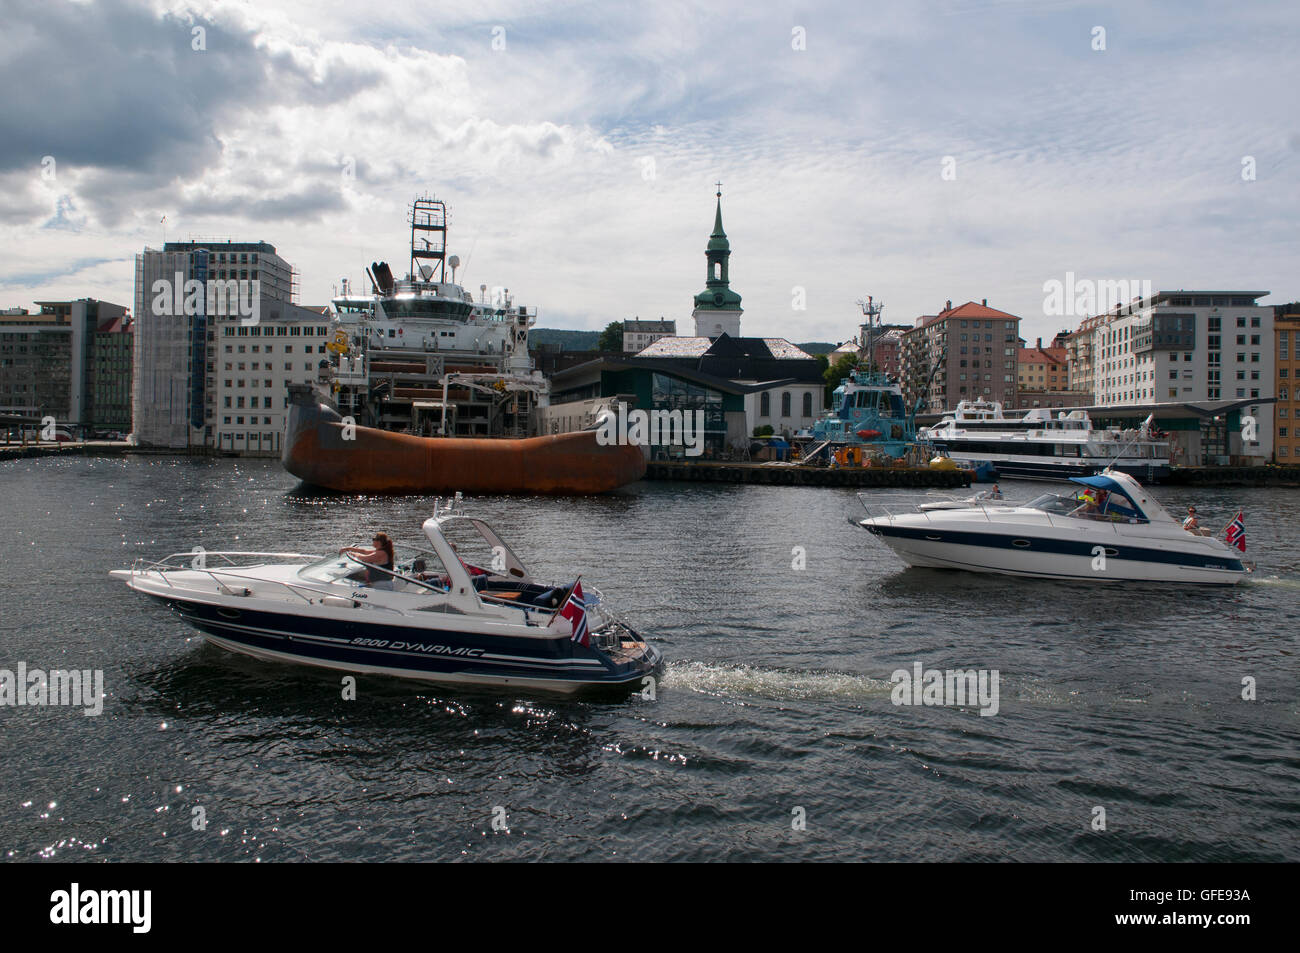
(611, 339)
(837, 372)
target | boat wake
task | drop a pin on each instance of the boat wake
(778, 684)
(1283, 582)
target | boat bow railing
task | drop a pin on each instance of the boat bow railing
(198, 563)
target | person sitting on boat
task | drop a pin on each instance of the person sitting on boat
(1093, 503)
(1191, 524)
(381, 555)
(420, 570)
(996, 494)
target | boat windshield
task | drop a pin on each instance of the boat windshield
(1053, 503)
(420, 564)
(1088, 504)
(332, 569)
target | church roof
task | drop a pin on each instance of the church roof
(726, 346)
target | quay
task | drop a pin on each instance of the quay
(793, 475)
(1267, 475)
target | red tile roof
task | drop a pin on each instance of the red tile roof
(968, 310)
(972, 310)
(1043, 355)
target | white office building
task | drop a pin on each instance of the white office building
(638, 334)
(174, 356)
(253, 368)
(1181, 347)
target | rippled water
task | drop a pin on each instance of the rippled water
(776, 696)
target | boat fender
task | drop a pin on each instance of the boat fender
(340, 602)
(228, 591)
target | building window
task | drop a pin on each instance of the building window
(764, 404)
(807, 404)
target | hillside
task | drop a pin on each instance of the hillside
(556, 339)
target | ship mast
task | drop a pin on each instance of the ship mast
(428, 218)
(866, 338)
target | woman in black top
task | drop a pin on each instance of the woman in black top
(381, 555)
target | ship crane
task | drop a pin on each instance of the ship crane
(503, 387)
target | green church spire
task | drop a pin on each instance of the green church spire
(717, 294)
(718, 240)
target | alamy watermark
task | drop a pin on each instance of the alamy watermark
(216, 296)
(955, 687)
(1086, 297)
(38, 688)
(653, 428)
(125, 907)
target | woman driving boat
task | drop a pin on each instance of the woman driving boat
(381, 555)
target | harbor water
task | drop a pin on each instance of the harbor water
(772, 734)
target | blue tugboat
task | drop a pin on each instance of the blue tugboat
(867, 409)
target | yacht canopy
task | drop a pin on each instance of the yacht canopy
(1113, 487)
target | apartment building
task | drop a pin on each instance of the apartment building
(1186, 347)
(1286, 336)
(961, 353)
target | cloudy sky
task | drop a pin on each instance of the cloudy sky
(916, 151)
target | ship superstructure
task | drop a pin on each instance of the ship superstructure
(422, 355)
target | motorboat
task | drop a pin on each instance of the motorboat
(1108, 530)
(460, 610)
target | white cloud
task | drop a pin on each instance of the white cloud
(1123, 163)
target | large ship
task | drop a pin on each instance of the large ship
(427, 389)
(1038, 445)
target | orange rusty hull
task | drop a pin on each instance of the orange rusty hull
(379, 461)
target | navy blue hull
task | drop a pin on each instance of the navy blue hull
(430, 654)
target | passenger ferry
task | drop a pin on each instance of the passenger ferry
(1038, 445)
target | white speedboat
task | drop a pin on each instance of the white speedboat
(435, 616)
(1110, 531)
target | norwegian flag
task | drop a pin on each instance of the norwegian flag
(575, 610)
(1236, 532)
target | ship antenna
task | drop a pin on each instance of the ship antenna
(871, 311)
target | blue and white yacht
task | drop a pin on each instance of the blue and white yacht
(462, 610)
(1111, 530)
